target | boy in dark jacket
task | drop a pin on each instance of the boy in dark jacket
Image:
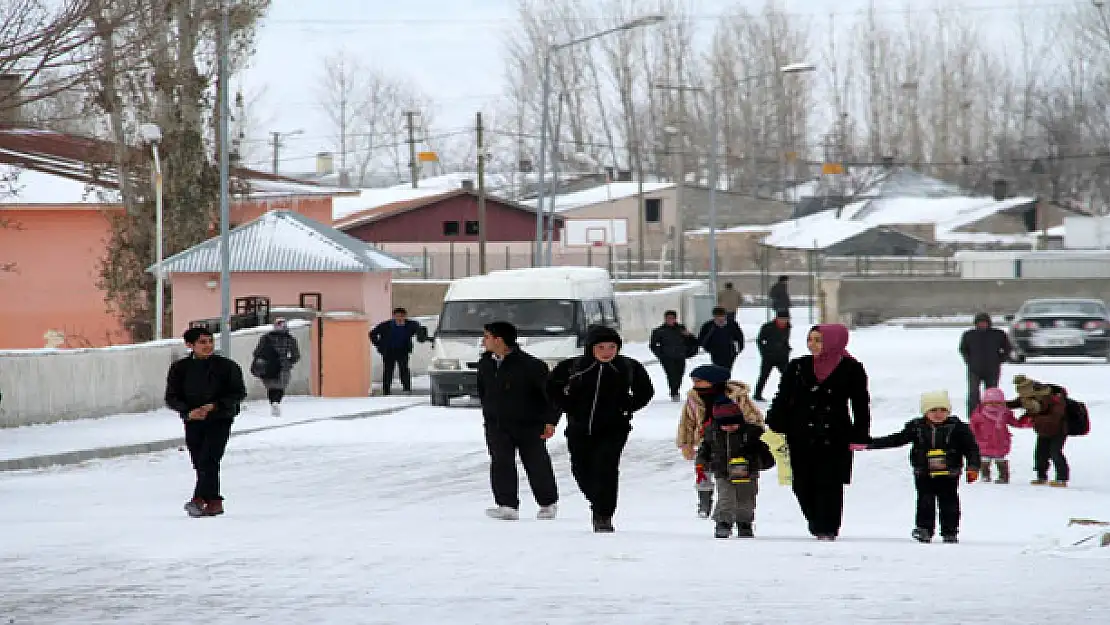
(731, 448)
(774, 349)
(672, 344)
(940, 442)
(723, 339)
(206, 390)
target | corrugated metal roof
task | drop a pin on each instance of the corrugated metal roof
(284, 241)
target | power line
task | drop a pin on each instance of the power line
(396, 144)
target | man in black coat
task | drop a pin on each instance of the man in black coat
(779, 296)
(984, 349)
(672, 344)
(599, 392)
(393, 339)
(206, 389)
(774, 349)
(518, 417)
(723, 339)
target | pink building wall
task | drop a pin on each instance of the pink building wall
(367, 293)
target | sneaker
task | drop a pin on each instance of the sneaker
(502, 513)
(722, 530)
(744, 530)
(703, 513)
(1058, 483)
(1038, 482)
(547, 513)
(275, 410)
(826, 538)
(214, 507)
(194, 507)
(603, 525)
(951, 539)
(922, 535)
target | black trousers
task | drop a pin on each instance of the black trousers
(820, 494)
(275, 395)
(723, 359)
(934, 492)
(401, 361)
(765, 367)
(975, 383)
(207, 441)
(1051, 448)
(595, 464)
(674, 368)
(503, 445)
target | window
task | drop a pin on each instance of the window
(592, 313)
(450, 228)
(609, 309)
(653, 210)
(472, 228)
(531, 317)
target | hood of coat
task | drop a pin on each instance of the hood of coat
(736, 391)
(602, 334)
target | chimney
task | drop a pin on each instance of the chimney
(325, 164)
(11, 101)
(467, 185)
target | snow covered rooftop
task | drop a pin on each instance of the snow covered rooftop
(816, 231)
(600, 194)
(284, 241)
(27, 186)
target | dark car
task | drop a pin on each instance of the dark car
(1061, 327)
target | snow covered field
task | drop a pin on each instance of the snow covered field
(380, 520)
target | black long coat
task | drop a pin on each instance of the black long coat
(814, 416)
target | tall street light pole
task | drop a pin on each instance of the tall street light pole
(152, 134)
(545, 96)
(225, 166)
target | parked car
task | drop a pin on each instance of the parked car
(1060, 327)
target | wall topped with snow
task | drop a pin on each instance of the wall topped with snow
(44, 385)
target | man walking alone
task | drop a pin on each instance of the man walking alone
(774, 349)
(512, 386)
(393, 339)
(672, 344)
(984, 349)
(206, 389)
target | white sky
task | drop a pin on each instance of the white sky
(452, 49)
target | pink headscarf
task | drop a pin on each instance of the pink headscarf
(834, 339)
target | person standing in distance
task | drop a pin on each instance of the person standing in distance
(774, 349)
(512, 386)
(730, 299)
(206, 389)
(779, 295)
(984, 349)
(599, 392)
(393, 339)
(672, 344)
(723, 339)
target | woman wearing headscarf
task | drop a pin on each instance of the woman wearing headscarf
(812, 410)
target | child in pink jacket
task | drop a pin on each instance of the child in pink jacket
(990, 422)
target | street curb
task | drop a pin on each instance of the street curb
(134, 449)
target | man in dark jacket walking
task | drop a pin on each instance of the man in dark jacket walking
(779, 296)
(984, 349)
(599, 392)
(393, 339)
(206, 389)
(723, 339)
(774, 349)
(518, 417)
(672, 344)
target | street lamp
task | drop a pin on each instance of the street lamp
(152, 134)
(714, 173)
(639, 22)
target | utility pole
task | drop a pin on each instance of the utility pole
(481, 198)
(225, 166)
(414, 167)
(277, 149)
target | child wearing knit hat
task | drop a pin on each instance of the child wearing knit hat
(940, 444)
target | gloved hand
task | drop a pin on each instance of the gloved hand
(859, 447)
(972, 475)
(699, 473)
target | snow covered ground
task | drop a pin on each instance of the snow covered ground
(380, 520)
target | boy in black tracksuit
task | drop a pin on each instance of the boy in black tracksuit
(206, 389)
(940, 442)
(733, 451)
(774, 349)
(723, 339)
(599, 391)
(672, 344)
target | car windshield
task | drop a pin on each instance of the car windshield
(531, 317)
(1073, 309)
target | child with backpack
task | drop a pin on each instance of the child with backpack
(990, 423)
(1053, 416)
(733, 450)
(940, 444)
(711, 383)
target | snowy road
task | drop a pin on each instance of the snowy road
(380, 521)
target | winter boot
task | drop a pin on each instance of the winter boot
(744, 530)
(985, 471)
(275, 409)
(922, 535)
(705, 504)
(603, 525)
(195, 507)
(1003, 472)
(1040, 481)
(502, 513)
(674, 397)
(723, 529)
(547, 513)
(950, 539)
(1058, 483)
(214, 507)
